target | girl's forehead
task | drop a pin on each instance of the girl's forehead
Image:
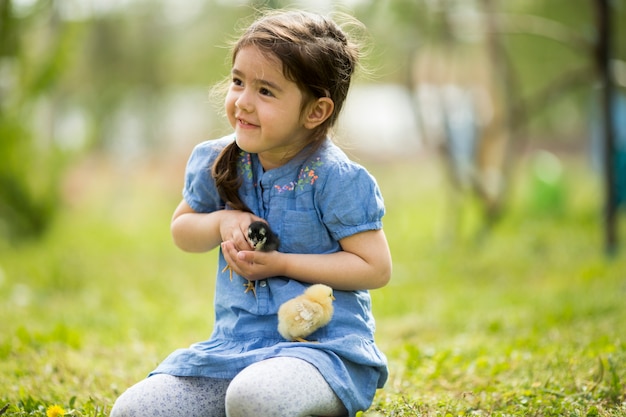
(251, 58)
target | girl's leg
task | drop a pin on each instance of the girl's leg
(171, 396)
(281, 387)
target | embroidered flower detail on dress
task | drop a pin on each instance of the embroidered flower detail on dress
(307, 176)
(245, 164)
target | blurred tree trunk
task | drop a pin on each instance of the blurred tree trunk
(603, 61)
(496, 135)
(495, 152)
(476, 98)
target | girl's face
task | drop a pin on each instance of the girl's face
(264, 108)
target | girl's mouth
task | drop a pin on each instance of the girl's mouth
(244, 123)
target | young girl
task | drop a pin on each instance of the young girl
(290, 77)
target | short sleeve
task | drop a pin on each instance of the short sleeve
(199, 190)
(350, 202)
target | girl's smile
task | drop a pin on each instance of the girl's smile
(245, 125)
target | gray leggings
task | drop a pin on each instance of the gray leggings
(277, 387)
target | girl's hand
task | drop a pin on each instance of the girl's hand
(234, 228)
(250, 264)
(201, 232)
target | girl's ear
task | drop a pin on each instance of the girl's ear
(318, 111)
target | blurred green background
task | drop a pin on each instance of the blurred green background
(479, 118)
(483, 81)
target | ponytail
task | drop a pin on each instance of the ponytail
(225, 172)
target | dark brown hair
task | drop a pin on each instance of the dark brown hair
(315, 54)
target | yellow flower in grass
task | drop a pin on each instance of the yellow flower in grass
(55, 411)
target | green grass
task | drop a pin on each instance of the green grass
(527, 319)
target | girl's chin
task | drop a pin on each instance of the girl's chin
(245, 145)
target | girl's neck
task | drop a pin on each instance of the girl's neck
(271, 161)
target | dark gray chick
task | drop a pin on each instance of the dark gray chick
(262, 238)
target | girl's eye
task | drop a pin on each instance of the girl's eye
(237, 81)
(266, 92)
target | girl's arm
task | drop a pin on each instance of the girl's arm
(364, 263)
(201, 232)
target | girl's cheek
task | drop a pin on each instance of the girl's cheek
(228, 102)
(229, 105)
(231, 98)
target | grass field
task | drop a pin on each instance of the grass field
(527, 319)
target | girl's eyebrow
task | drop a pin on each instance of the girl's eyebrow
(260, 81)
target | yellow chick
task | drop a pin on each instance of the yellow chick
(304, 314)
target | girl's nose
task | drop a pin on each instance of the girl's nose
(244, 102)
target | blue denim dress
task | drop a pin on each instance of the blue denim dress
(311, 202)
